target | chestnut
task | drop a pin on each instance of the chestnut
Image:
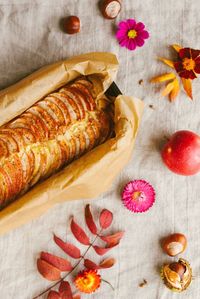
(174, 244)
(110, 8)
(177, 276)
(72, 24)
(178, 268)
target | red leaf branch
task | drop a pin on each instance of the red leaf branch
(51, 266)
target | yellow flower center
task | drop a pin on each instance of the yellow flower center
(132, 33)
(188, 64)
(89, 280)
(136, 195)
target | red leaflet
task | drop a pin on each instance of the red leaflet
(90, 264)
(65, 290)
(48, 271)
(108, 263)
(113, 239)
(89, 220)
(58, 262)
(68, 248)
(79, 233)
(105, 219)
(53, 295)
(102, 250)
(77, 296)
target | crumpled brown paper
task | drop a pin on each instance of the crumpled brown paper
(93, 173)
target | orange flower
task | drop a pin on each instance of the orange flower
(88, 281)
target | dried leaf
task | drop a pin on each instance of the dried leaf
(167, 61)
(79, 233)
(175, 91)
(113, 239)
(68, 248)
(163, 78)
(90, 265)
(48, 271)
(108, 263)
(187, 85)
(65, 290)
(168, 89)
(58, 262)
(176, 47)
(89, 220)
(102, 250)
(106, 218)
(53, 295)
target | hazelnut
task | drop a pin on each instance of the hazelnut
(72, 25)
(174, 244)
(177, 276)
(111, 8)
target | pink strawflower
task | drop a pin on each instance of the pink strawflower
(138, 196)
(131, 34)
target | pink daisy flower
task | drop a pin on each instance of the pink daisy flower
(131, 34)
(138, 196)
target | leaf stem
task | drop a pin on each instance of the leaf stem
(77, 264)
(108, 284)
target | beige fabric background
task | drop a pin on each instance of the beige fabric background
(30, 37)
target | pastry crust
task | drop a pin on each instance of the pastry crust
(48, 136)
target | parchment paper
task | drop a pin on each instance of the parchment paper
(90, 175)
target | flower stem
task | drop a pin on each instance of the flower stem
(77, 264)
(108, 284)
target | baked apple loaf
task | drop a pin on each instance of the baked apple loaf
(48, 136)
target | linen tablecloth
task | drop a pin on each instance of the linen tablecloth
(30, 38)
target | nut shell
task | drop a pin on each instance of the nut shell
(177, 276)
(111, 8)
(174, 244)
(72, 25)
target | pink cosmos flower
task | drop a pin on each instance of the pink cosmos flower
(131, 34)
(138, 196)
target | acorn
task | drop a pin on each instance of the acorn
(177, 276)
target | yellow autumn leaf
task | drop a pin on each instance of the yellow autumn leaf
(187, 85)
(175, 91)
(168, 89)
(163, 78)
(176, 47)
(167, 61)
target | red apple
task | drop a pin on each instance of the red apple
(181, 153)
